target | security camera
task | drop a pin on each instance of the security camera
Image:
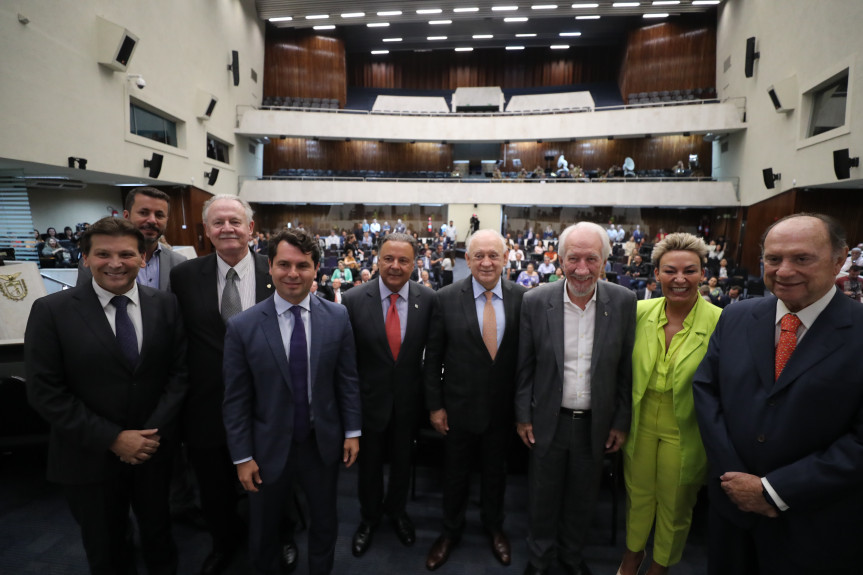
(139, 80)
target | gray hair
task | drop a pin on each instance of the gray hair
(596, 228)
(246, 207)
(399, 237)
(680, 242)
(486, 231)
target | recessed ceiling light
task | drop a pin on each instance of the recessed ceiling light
(380, 51)
(591, 17)
(543, 7)
(525, 35)
(704, 2)
(559, 46)
(482, 36)
(353, 14)
(504, 8)
(515, 19)
(392, 39)
(589, 5)
(318, 17)
(625, 4)
(665, 2)
(378, 24)
(655, 16)
(464, 49)
(327, 27)
(390, 13)
(436, 38)
(515, 47)
(439, 22)
(430, 11)
(460, 10)
(570, 33)
(282, 19)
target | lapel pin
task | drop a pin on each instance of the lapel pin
(269, 286)
(416, 305)
(606, 313)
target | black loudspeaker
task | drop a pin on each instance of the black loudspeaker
(115, 44)
(751, 56)
(234, 66)
(212, 176)
(843, 162)
(774, 98)
(155, 165)
(770, 178)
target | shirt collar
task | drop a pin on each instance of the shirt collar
(105, 296)
(478, 290)
(283, 305)
(385, 291)
(810, 313)
(241, 268)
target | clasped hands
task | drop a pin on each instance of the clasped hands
(746, 492)
(135, 446)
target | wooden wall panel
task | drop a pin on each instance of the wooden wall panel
(758, 218)
(302, 64)
(844, 205)
(356, 155)
(445, 70)
(674, 55)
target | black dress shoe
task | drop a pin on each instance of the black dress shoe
(439, 552)
(501, 548)
(216, 562)
(290, 556)
(404, 530)
(362, 539)
(532, 569)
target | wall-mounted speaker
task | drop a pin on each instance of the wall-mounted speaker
(784, 94)
(115, 44)
(205, 103)
(843, 162)
(212, 176)
(770, 178)
(234, 66)
(751, 56)
(155, 165)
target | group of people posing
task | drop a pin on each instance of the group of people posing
(266, 384)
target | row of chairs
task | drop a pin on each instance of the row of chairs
(670, 96)
(300, 173)
(288, 102)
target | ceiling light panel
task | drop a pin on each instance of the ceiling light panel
(515, 19)
(515, 47)
(430, 11)
(353, 14)
(439, 22)
(317, 17)
(433, 38)
(504, 8)
(390, 13)
(585, 5)
(482, 36)
(544, 7)
(464, 10)
(664, 15)
(281, 19)
(378, 24)
(392, 40)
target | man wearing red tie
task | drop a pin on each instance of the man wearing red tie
(390, 318)
(780, 416)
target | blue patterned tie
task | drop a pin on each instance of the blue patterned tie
(125, 331)
(299, 369)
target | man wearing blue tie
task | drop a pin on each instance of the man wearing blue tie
(292, 403)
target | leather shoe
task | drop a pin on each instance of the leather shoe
(362, 539)
(290, 556)
(500, 547)
(532, 569)
(404, 530)
(439, 552)
(216, 562)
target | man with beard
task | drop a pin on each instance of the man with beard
(148, 209)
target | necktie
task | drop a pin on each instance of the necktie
(787, 341)
(489, 325)
(394, 327)
(299, 369)
(231, 304)
(124, 329)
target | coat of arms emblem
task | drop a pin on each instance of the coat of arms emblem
(12, 287)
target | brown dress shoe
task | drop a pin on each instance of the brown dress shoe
(439, 552)
(500, 547)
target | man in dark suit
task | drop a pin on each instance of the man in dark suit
(649, 291)
(390, 338)
(779, 400)
(106, 368)
(200, 285)
(574, 394)
(469, 385)
(147, 208)
(292, 403)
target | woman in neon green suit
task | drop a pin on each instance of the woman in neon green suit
(664, 462)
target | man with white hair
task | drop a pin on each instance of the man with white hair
(855, 258)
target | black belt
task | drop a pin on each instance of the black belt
(575, 413)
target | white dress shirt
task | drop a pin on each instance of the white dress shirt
(578, 328)
(133, 309)
(245, 269)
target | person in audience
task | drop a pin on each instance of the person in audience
(851, 285)
(539, 172)
(437, 258)
(722, 273)
(400, 227)
(451, 235)
(528, 278)
(715, 251)
(447, 266)
(366, 243)
(555, 276)
(664, 464)
(660, 235)
(569, 418)
(704, 291)
(638, 271)
(375, 229)
(113, 416)
(516, 265)
(425, 279)
(538, 250)
(333, 241)
(390, 320)
(551, 254)
(386, 229)
(629, 248)
(546, 268)
(779, 403)
(53, 249)
(343, 273)
(350, 261)
(469, 382)
(69, 235)
(365, 275)
(715, 290)
(855, 258)
(51, 233)
(649, 291)
(638, 235)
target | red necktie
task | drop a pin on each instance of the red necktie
(394, 327)
(787, 341)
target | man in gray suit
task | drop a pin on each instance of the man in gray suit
(574, 394)
(148, 209)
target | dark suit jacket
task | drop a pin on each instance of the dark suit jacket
(459, 372)
(540, 362)
(194, 282)
(384, 382)
(167, 260)
(258, 407)
(80, 382)
(803, 432)
(639, 294)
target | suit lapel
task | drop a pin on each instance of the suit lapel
(415, 305)
(93, 316)
(210, 282)
(554, 317)
(263, 281)
(319, 325)
(149, 318)
(468, 303)
(273, 335)
(697, 338)
(372, 313)
(648, 329)
(602, 324)
(510, 319)
(762, 339)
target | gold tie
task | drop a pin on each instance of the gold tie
(489, 326)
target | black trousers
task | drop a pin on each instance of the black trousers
(460, 452)
(396, 439)
(102, 511)
(217, 482)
